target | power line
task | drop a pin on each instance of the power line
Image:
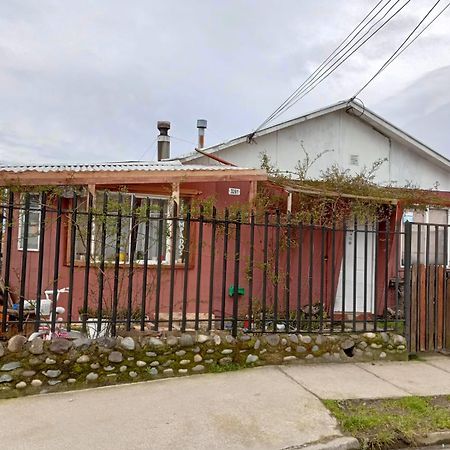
(400, 50)
(358, 44)
(148, 149)
(331, 56)
(315, 81)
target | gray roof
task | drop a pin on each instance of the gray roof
(119, 166)
(352, 107)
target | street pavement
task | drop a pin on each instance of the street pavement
(272, 408)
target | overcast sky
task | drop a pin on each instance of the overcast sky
(87, 80)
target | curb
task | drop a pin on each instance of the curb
(438, 437)
(337, 443)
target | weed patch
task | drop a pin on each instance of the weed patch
(391, 423)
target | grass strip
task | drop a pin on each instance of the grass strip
(391, 423)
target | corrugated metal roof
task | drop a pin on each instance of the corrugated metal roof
(120, 166)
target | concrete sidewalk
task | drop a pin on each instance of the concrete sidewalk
(429, 376)
(264, 408)
(251, 409)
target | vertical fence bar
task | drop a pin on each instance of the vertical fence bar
(322, 278)
(366, 255)
(212, 267)
(237, 259)
(408, 284)
(23, 275)
(436, 299)
(186, 255)
(375, 290)
(298, 311)
(145, 262)
(42, 227)
(2, 225)
(397, 268)
(173, 254)
(427, 280)
(158, 266)
(101, 271)
(87, 266)
(199, 268)
(224, 270)
(264, 280)
(333, 275)
(250, 271)
(446, 331)
(417, 304)
(133, 239)
(117, 264)
(344, 271)
(386, 273)
(310, 274)
(73, 236)
(287, 283)
(56, 261)
(9, 232)
(355, 271)
(277, 271)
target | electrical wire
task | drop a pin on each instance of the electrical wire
(331, 56)
(358, 44)
(319, 78)
(148, 149)
(403, 47)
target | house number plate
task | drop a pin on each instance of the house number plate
(234, 191)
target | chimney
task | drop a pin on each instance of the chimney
(163, 140)
(201, 126)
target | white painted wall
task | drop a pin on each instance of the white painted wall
(343, 135)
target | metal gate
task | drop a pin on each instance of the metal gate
(427, 287)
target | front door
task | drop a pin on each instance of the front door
(359, 262)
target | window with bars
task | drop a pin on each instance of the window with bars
(33, 214)
(427, 240)
(143, 233)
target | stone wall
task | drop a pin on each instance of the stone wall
(61, 364)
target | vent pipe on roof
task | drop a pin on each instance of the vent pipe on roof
(163, 140)
(201, 126)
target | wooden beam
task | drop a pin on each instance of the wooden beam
(128, 177)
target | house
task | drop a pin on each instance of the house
(65, 228)
(346, 134)
(109, 232)
(349, 136)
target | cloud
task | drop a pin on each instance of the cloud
(423, 109)
(87, 81)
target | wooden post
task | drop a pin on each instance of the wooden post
(176, 194)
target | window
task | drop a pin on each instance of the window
(354, 160)
(156, 205)
(429, 236)
(34, 221)
(128, 235)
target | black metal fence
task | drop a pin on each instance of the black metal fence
(117, 261)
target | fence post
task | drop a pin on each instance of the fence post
(407, 291)
(237, 258)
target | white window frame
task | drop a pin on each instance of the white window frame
(167, 257)
(426, 222)
(140, 262)
(20, 237)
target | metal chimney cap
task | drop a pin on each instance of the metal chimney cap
(163, 126)
(202, 123)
